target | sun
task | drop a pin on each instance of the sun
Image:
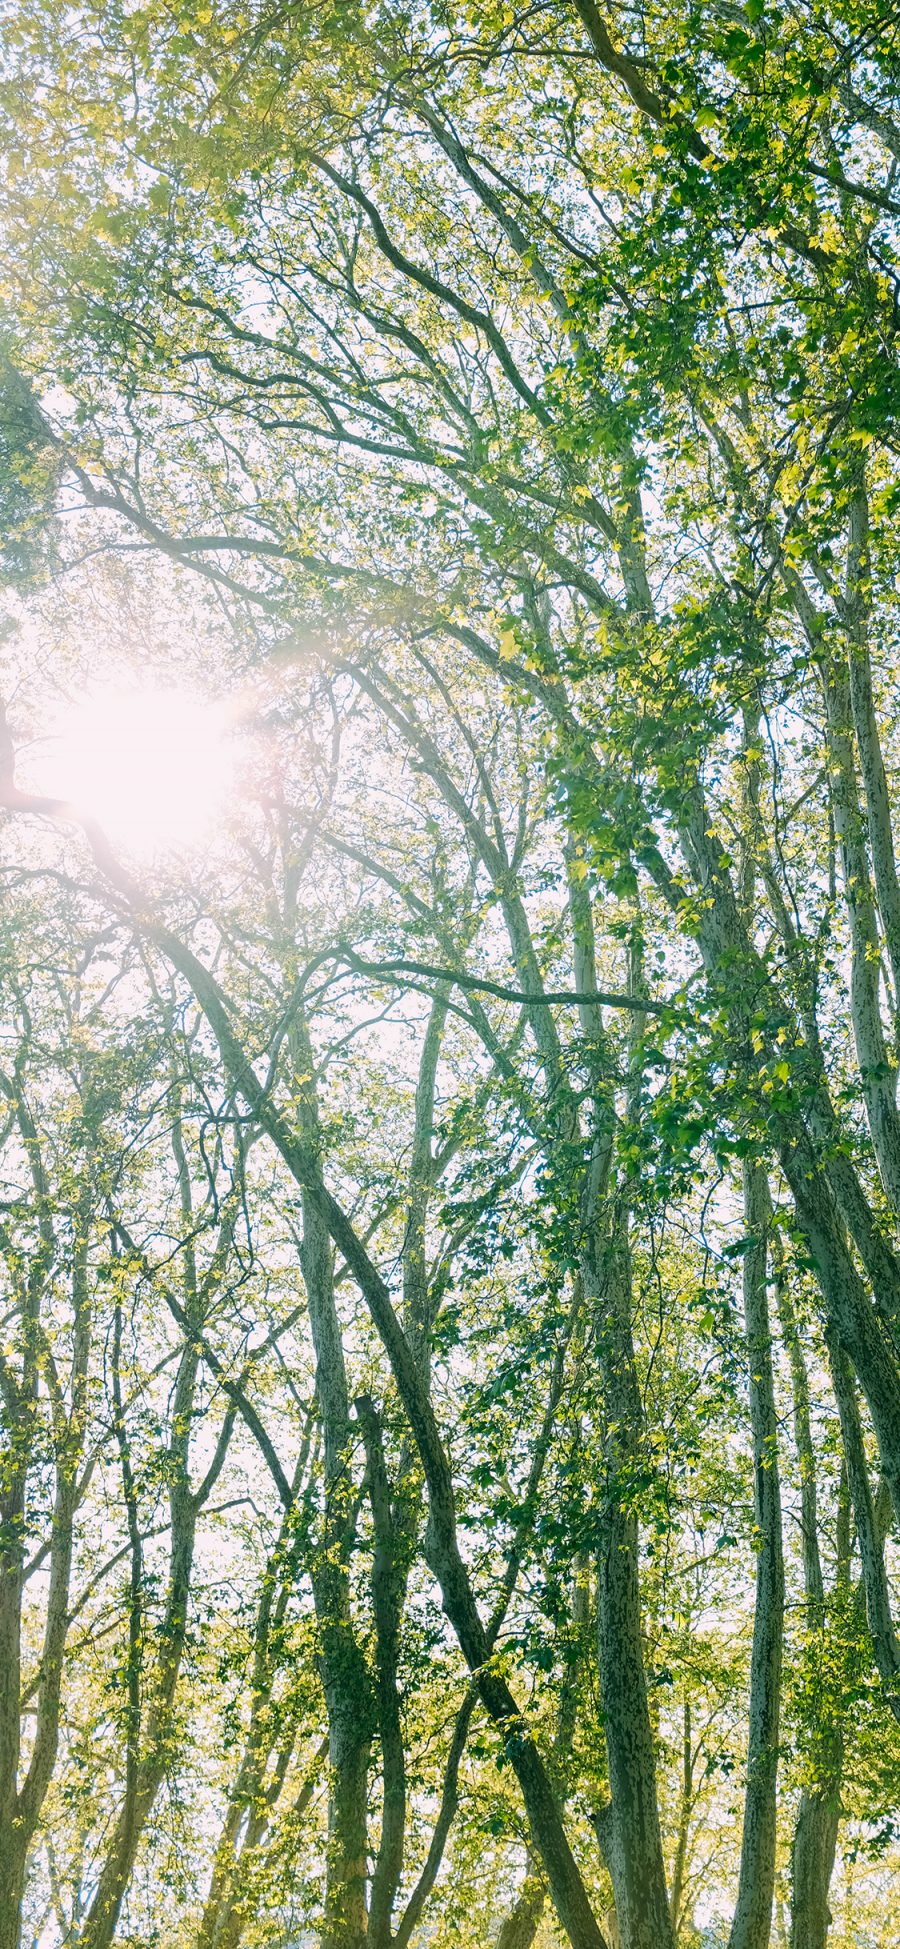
(152, 767)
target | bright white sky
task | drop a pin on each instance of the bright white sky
(153, 766)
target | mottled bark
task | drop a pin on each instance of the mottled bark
(685, 1809)
(632, 1839)
(388, 1589)
(752, 1923)
(869, 1533)
(812, 1865)
(877, 1070)
(818, 1817)
(868, 740)
(635, 1854)
(12, 1514)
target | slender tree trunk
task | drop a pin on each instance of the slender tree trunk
(635, 1851)
(12, 1891)
(685, 1809)
(876, 1067)
(812, 1864)
(630, 1829)
(12, 1840)
(885, 1642)
(816, 1831)
(145, 1771)
(865, 724)
(20, 1807)
(345, 1674)
(752, 1924)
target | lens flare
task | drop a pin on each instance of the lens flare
(152, 767)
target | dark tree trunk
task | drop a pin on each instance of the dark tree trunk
(635, 1849)
(752, 1925)
(812, 1863)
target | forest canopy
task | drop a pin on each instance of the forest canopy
(449, 975)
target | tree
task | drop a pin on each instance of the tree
(525, 391)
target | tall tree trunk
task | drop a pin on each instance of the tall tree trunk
(346, 1920)
(20, 1807)
(145, 1770)
(752, 1924)
(12, 1525)
(885, 1642)
(812, 1865)
(345, 1674)
(818, 1817)
(388, 1586)
(685, 1809)
(877, 1070)
(12, 1869)
(635, 1846)
(865, 724)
